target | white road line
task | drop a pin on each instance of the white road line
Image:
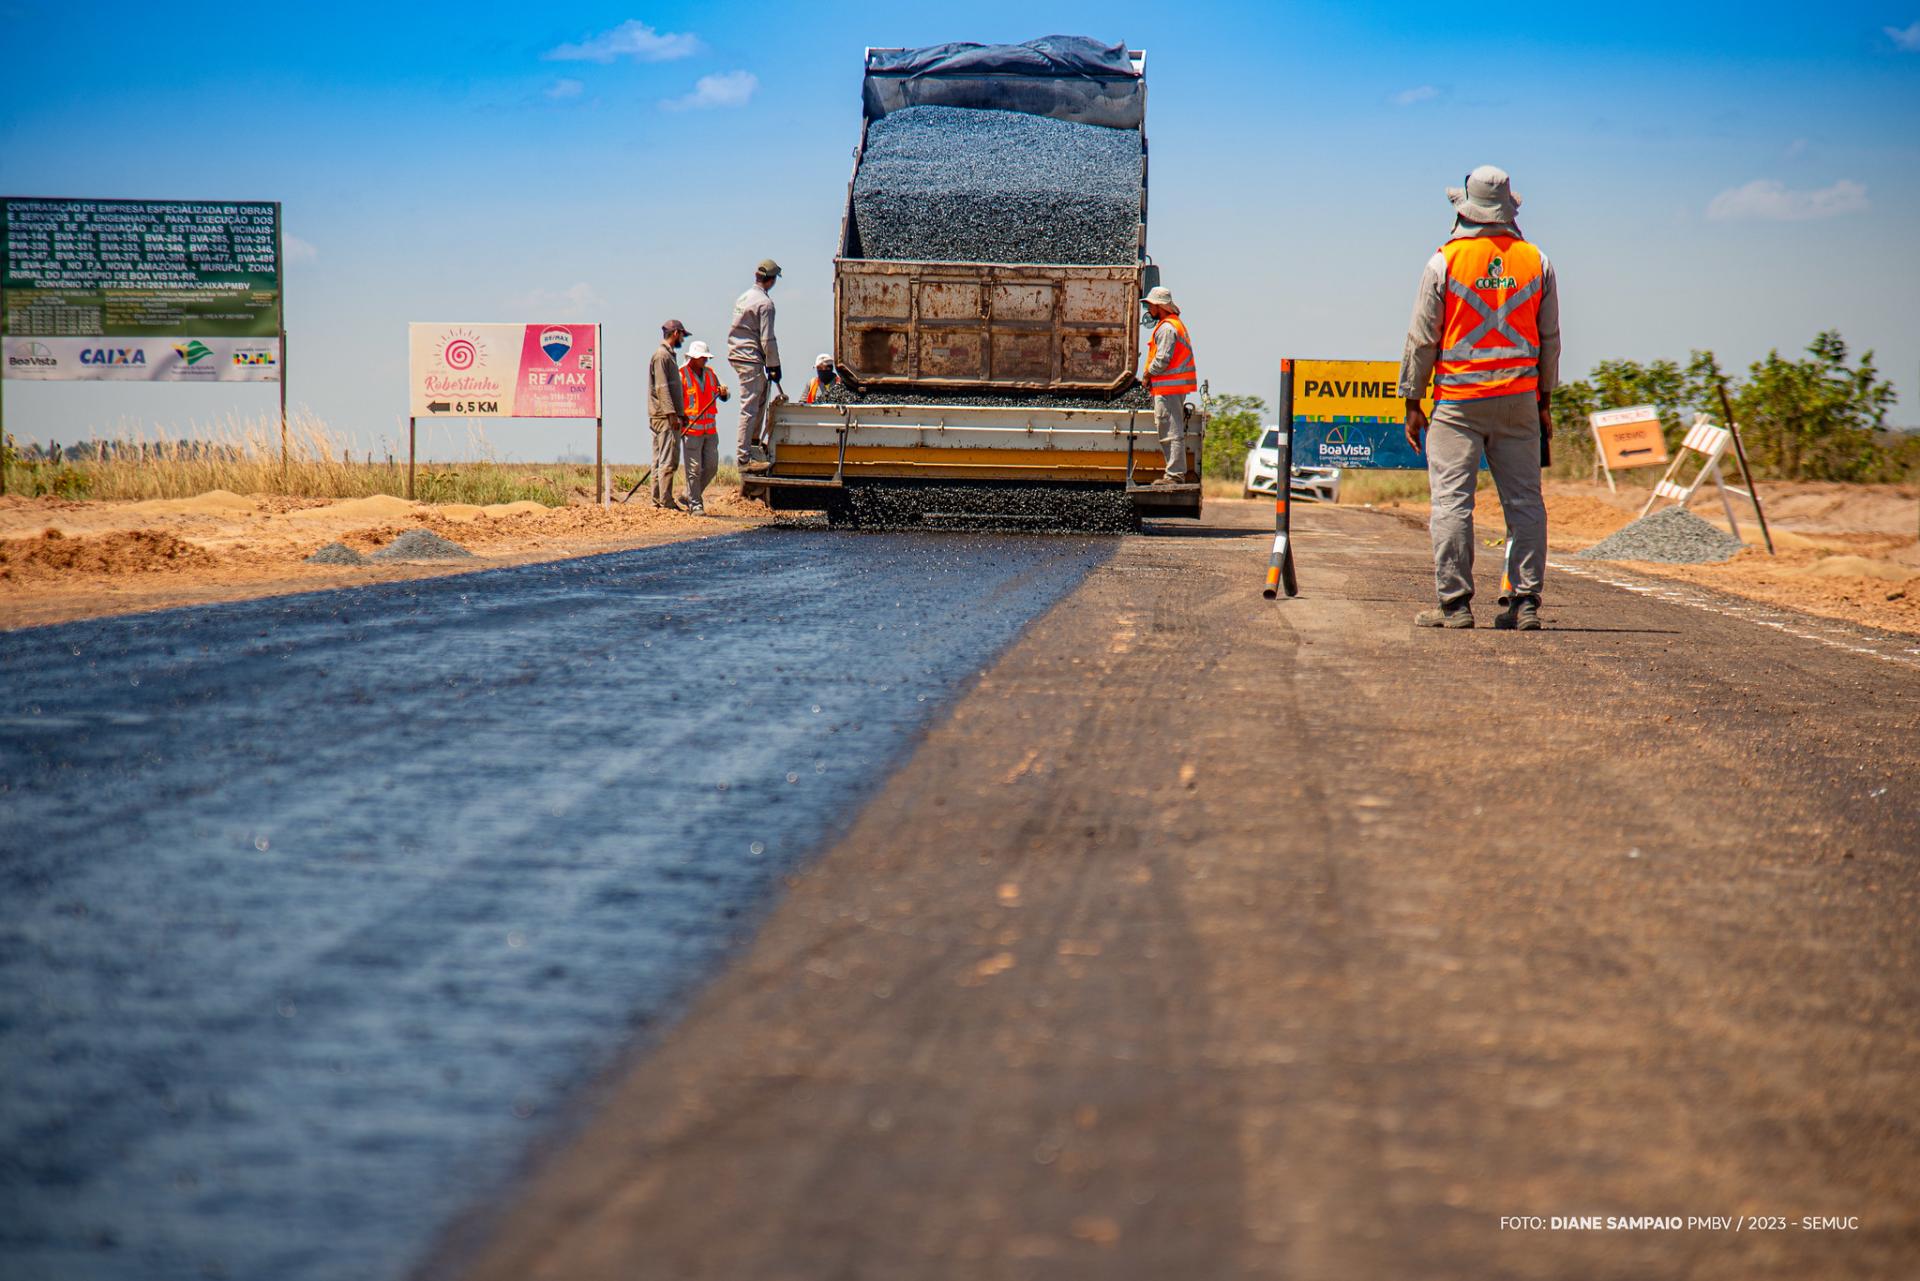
(1834, 636)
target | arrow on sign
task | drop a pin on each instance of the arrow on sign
(438, 406)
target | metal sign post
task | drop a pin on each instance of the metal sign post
(1746, 472)
(410, 435)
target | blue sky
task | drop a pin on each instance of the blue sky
(1727, 176)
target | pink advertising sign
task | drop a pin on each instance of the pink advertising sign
(504, 371)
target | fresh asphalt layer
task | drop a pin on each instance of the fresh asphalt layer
(1208, 937)
(314, 911)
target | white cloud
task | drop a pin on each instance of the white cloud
(1420, 93)
(1765, 200)
(631, 39)
(576, 302)
(728, 89)
(561, 90)
(298, 250)
(1905, 39)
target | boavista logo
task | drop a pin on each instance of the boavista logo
(35, 356)
(192, 351)
(1495, 277)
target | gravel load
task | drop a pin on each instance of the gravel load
(1135, 397)
(336, 554)
(1009, 506)
(957, 184)
(421, 544)
(1673, 536)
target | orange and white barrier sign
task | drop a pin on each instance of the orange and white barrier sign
(1627, 438)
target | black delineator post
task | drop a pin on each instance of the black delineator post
(1746, 473)
(1280, 563)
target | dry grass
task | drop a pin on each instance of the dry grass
(244, 456)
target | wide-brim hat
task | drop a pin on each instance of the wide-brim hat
(1487, 196)
(822, 359)
(1160, 296)
(699, 351)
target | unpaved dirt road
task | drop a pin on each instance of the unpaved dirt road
(1212, 938)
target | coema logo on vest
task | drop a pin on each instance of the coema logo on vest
(1493, 279)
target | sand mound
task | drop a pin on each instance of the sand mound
(525, 507)
(133, 551)
(458, 512)
(372, 507)
(215, 502)
(421, 544)
(1859, 567)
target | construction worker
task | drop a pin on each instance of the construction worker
(823, 378)
(755, 357)
(1486, 329)
(1171, 378)
(699, 444)
(667, 411)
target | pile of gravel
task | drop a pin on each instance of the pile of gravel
(336, 554)
(421, 544)
(956, 184)
(1009, 506)
(1673, 536)
(1135, 397)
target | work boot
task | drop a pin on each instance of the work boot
(1457, 615)
(1165, 480)
(1522, 614)
(696, 509)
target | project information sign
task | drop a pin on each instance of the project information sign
(503, 371)
(140, 290)
(1348, 413)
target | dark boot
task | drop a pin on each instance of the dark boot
(1522, 614)
(1452, 616)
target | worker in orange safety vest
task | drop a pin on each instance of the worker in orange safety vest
(700, 443)
(1486, 333)
(823, 378)
(1171, 377)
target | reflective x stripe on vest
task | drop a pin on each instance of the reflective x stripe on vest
(1179, 377)
(702, 391)
(813, 390)
(1490, 335)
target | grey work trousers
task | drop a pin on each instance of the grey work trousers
(753, 408)
(700, 451)
(1170, 421)
(1507, 430)
(666, 457)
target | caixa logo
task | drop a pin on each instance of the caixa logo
(113, 356)
(36, 356)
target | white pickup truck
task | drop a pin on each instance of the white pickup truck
(1262, 471)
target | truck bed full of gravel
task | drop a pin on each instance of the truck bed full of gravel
(421, 544)
(1135, 397)
(956, 184)
(1673, 536)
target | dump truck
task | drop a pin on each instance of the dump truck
(973, 389)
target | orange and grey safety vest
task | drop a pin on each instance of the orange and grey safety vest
(702, 391)
(1490, 327)
(1179, 377)
(813, 390)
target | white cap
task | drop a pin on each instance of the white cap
(822, 359)
(699, 351)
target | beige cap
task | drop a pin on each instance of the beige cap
(767, 267)
(822, 359)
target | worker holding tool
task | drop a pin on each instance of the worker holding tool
(1171, 378)
(755, 357)
(667, 411)
(823, 378)
(699, 444)
(1486, 330)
